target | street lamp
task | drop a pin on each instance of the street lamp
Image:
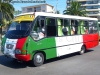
(56, 5)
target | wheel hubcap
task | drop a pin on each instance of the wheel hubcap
(38, 59)
(82, 51)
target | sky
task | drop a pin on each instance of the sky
(60, 6)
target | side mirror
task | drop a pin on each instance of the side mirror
(34, 35)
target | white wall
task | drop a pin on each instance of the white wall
(24, 10)
(43, 7)
(49, 9)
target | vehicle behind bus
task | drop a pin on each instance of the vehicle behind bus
(99, 29)
(48, 35)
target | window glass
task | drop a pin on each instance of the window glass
(74, 27)
(51, 29)
(86, 27)
(19, 29)
(95, 28)
(38, 29)
(83, 27)
(66, 27)
(29, 9)
(60, 26)
(91, 23)
(81, 23)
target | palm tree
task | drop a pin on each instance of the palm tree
(7, 11)
(75, 9)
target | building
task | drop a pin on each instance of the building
(38, 8)
(92, 6)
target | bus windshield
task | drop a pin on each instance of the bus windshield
(19, 29)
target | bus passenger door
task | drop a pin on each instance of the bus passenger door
(38, 33)
(47, 43)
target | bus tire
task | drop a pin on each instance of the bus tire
(82, 51)
(38, 59)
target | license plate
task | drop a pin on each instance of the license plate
(9, 46)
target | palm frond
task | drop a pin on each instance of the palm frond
(75, 9)
(7, 11)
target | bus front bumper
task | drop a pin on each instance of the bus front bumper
(23, 57)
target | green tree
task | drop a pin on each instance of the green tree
(7, 11)
(75, 9)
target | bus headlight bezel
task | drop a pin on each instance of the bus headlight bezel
(17, 51)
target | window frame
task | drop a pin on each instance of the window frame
(34, 22)
(67, 19)
(46, 25)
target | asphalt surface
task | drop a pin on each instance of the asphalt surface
(72, 64)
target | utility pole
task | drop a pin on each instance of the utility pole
(56, 5)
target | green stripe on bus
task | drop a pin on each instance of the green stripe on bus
(3, 43)
(46, 43)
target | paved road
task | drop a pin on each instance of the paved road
(73, 64)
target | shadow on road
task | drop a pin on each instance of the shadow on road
(89, 51)
(8, 62)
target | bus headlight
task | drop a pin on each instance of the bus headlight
(17, 51)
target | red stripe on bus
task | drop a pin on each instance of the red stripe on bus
(90, 40)
(23, 57)
(20, 43)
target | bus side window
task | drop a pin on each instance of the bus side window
(42, 27)
(36, 26)
(76, 26)
(86, 27)
(35, 31)
(38, 29)
(98, 24)
(66, 29)
(51, 30)
(72, 27)
(60, 26)
(95, 28)
(90, 27)
(82, 27)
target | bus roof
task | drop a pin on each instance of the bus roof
(25, 14)
(24, 17)
(59, 15)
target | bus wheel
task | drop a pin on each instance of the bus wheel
(38, 59)
(82, 51)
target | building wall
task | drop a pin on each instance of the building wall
(17, 12)
(44, 8)
(24, 10)
(49, 9)
(39, 8)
